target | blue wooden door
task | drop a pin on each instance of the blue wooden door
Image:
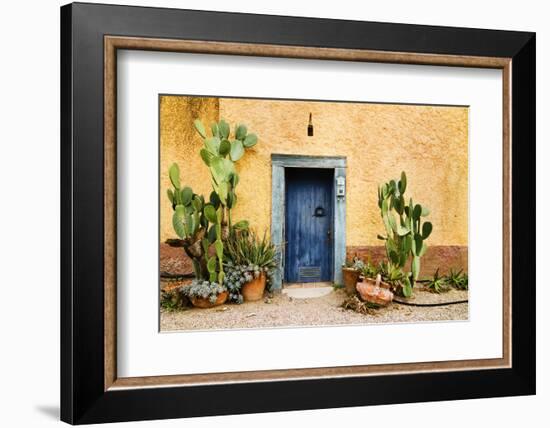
(308, 224)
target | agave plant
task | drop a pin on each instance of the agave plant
(247, 257)
(368, 270)
(457, 279)
(392, 274)
(437, 284)
(406, 232)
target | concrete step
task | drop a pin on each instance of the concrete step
(307, 292)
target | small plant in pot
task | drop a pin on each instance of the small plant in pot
(205, 294)
(351, 271)
(372, 288)
(250, 264)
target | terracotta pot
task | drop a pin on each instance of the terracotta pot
(200, 302)
(350, 278)
(254, 290)
(375, 291)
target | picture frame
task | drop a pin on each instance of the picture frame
(91, 391)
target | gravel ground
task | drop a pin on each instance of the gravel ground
(282, 311)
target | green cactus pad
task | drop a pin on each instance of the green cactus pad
(206, 156)
(199, 126)
(197, 203)
(224, 129)
(240, 133)
(407, 288)
(177, 221)
(205, 245)
(212, 145)
(234, 178)
(418, 242)
(231, 200)
(186, 195)
(250, 140)
(426, 229)
(210, 213)
(417, 211)
(214, 199)
(215, 129)
(212, 234)
(237, 150)
(415, 267)
(170, 195)
(403, 183)
(174, 174)
(225, 147)
(219, 248)
(211, 264)
(223, 190)
(217, 168)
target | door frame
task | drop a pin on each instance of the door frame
(278, 186)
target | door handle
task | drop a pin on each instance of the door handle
(329, 235)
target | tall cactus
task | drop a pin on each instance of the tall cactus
(405, 232)
(201, 224)
(220, 154)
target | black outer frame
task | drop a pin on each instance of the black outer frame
(83, 399)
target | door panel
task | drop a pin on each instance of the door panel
(308, 224)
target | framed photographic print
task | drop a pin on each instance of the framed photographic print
(282, 213)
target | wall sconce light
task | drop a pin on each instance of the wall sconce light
(310, 127)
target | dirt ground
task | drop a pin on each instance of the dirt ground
(282, 311)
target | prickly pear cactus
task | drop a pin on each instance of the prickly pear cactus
(201, 224)
(406, 232)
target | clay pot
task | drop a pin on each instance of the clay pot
(375, 291)
(200, 302)
(350, 278)
(254, 290)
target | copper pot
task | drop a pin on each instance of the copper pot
(375, 291)
(254, 290)
(205, 303)
(350, 277)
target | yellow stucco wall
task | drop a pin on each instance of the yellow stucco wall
(379, 140)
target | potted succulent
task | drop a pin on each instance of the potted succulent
(250, 263)
(351, 271)
(205, 294)
(375, 291)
